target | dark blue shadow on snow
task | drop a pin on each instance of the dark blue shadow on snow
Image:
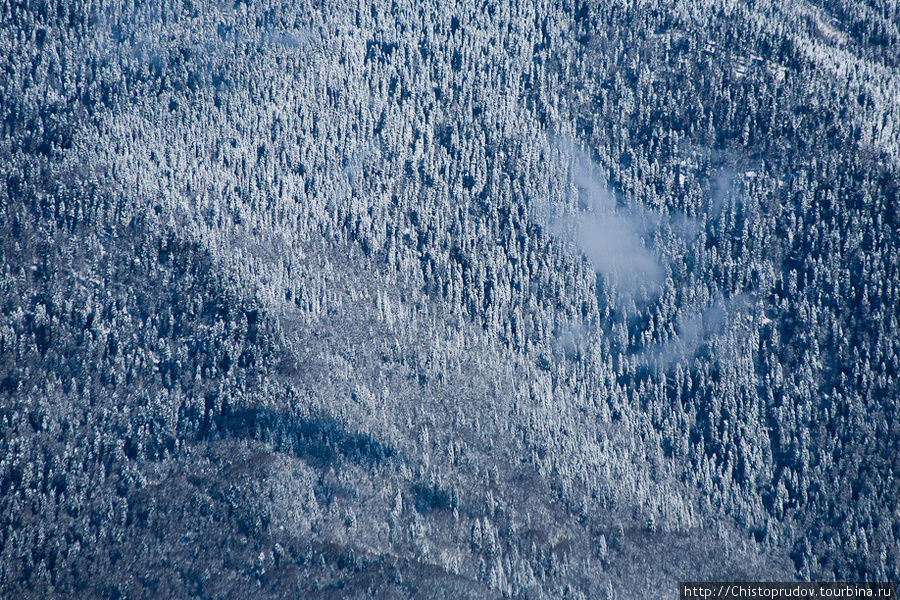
(320, 440)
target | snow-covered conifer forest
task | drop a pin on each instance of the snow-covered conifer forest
(458, 299)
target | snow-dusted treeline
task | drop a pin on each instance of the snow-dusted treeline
(526, 299)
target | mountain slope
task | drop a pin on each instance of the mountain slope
(350, 301)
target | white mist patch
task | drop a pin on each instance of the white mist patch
(617, 251)
(617, 240)
(694, 328)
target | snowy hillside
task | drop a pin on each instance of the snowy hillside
(421, 300)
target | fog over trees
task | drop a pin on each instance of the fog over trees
(549, 299)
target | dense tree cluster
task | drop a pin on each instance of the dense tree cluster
(522, 299)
